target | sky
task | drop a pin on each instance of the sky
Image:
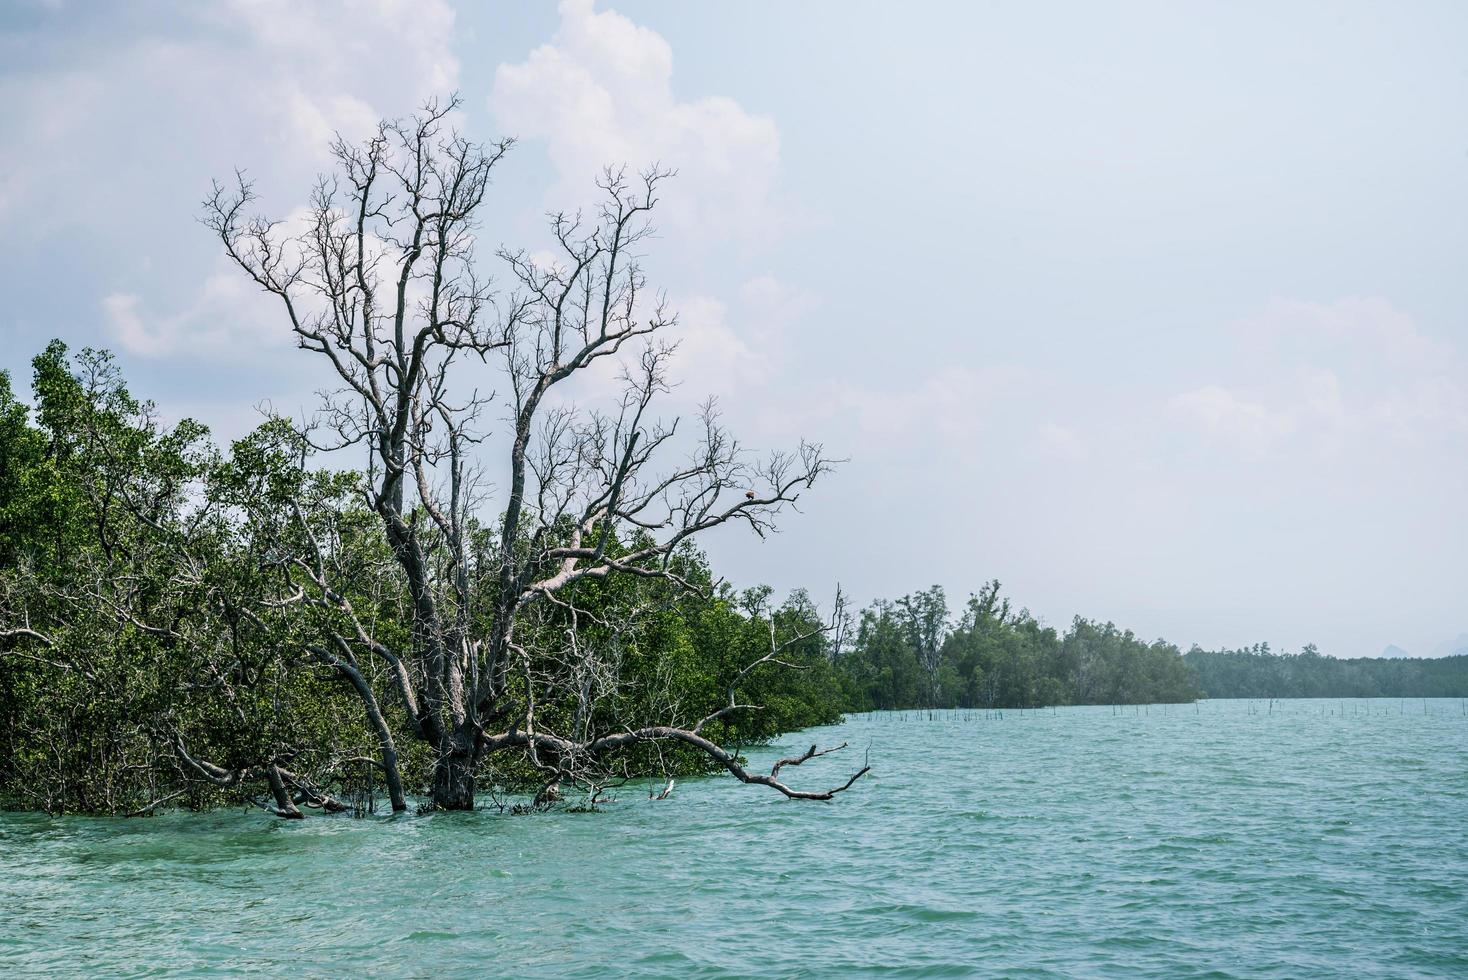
(1156, 312)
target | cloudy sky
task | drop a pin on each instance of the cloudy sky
(1158, 312)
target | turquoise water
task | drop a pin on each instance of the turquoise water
(1231, 838)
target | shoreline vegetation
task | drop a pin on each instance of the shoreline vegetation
(506, 590)
(476, 569)
(126, 688)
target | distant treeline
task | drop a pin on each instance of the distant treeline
(911, 654)
(1256, 672)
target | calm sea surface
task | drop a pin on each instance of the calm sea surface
(1313, 838)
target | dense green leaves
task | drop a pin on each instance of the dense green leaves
(996, 657)
(1257, 672)
(908, 654)
(154, 645)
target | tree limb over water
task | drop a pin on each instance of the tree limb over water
(479, 591)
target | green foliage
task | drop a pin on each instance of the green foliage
(155, 646)
(148, 628)
(996, 657)
(907, 655)
(1258, 672)
(122, 597)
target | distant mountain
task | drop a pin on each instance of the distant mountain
(1452, 648)
(1457, 647)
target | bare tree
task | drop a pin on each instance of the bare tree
(383, 284)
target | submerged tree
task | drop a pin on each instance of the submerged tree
(513, 644)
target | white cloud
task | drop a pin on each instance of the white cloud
(1062, 442)
(601, 92)
(97, 136)
(118, 142)
(774, 306)
(721, 351)
(340, 66)
(713, 357)
(952, 404)
(1326, 376)
(1236, 416)
(230, 316)
(1353, 328)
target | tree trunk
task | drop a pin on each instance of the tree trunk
(453, 773)
(394, 778)
(284, 805)
(385, 743)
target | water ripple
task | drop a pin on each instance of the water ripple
(1223, 841)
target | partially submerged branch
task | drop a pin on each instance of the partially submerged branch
(662, 733)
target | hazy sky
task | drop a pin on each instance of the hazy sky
(1158, 312)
